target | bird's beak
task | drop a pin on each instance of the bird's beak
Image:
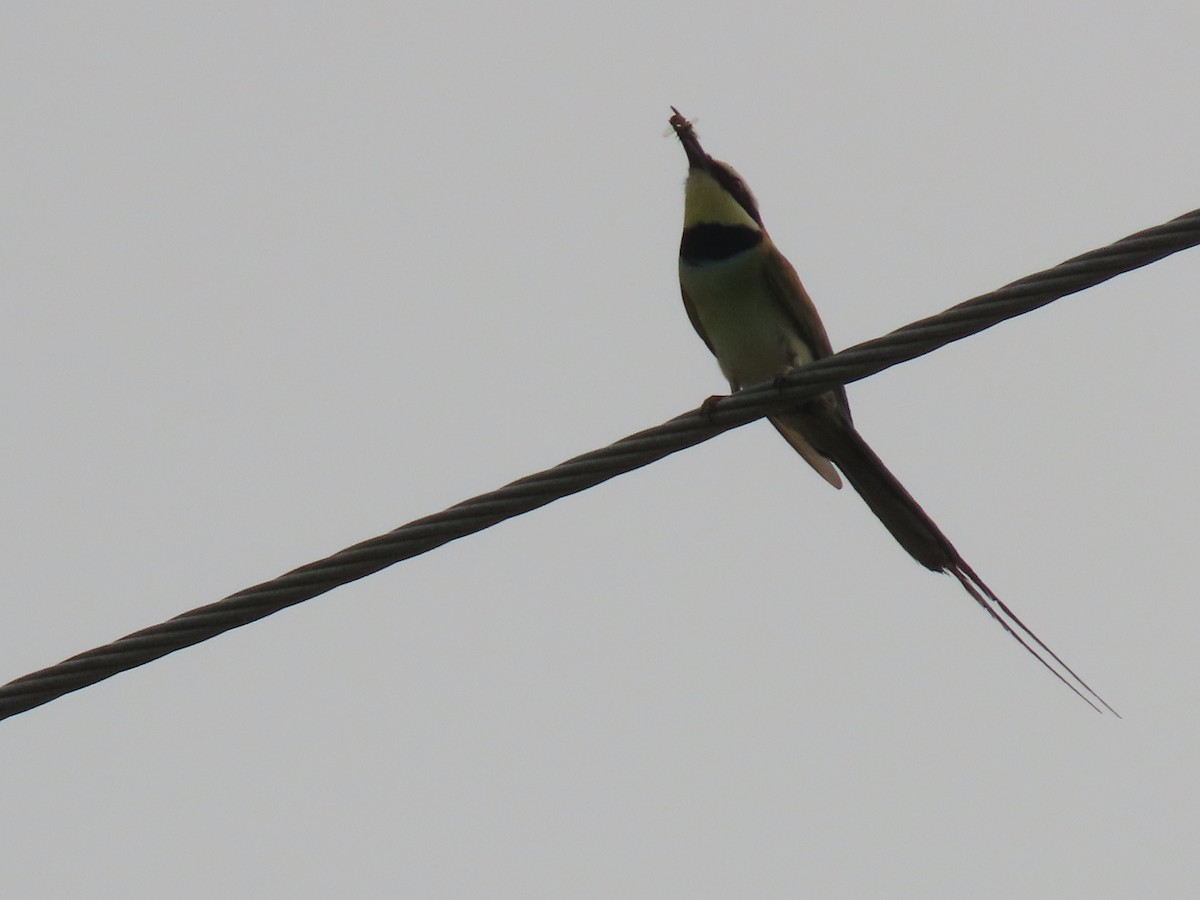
(697, 158)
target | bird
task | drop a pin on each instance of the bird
(750, 308)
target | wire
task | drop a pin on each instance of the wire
(590, 469)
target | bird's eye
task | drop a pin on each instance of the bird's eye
(733, 183)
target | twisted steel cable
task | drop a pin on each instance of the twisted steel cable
(592, 468)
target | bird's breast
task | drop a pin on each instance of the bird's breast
(751, 334)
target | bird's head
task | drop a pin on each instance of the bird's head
(715, 193)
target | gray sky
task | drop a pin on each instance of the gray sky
(277, 278)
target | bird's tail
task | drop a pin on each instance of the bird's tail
(835, 437)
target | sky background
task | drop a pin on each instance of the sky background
(276, 278)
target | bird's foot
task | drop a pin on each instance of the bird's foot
(708, 408)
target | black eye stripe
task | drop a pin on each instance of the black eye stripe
(737, 189)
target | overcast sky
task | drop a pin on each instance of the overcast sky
(279, 277)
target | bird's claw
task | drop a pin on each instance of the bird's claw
(708, 408)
